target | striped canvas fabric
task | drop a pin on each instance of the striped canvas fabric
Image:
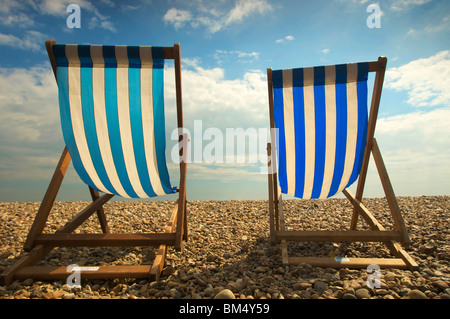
(112, 117)
(320, 118)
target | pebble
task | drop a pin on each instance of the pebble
(225, 294)
(362, 293)
(416, 294)
(229, 253)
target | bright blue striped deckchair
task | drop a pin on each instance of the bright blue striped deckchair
(322, 137)
(111, 101)
(112, 116)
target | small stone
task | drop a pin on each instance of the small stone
(302, 286)
(362, 293)
(416, 294)
(225, 294)
(320, 286)
(440, 284)
(269, 280)
(405, 281)
(381, 292)
(58, 294)
(390, 276)
(167, 271)
(174, 293)
(200, 281)
(208, 291)
(349, 296)
(27, 282)
(261, 269)
(428, 248)
(69, 296)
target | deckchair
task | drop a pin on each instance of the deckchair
(321, 140)
(111, 102)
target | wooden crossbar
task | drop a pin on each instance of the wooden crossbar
(101, 272)
(349, 262)
(338, 236)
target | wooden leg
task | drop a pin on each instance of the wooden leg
(284, 252)
(49, 199)
(185, 232)
(389, 192)
(160, 258)
(100, 212)
(271, 195)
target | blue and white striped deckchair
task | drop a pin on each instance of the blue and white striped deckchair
(322, 137)
(321, 117)
(111, 101)
(112, 116)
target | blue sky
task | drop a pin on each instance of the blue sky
(226, 46)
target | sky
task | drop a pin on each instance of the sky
(226, 48)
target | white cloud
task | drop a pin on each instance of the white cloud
(325, 51)
(178, 18)
(416, 150)
(208, 90)
(244, 8)
(214, 19)
(28, 106)
(438, 26)
(285, 39)
(21, 20)
(59, 7)
(426, 80)
(105, 24)
(29, 123)
(32, 40)
(7, 6)
(223, 56)
(406, 4)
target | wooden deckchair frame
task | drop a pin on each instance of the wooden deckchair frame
(377, 232)
(38, 244)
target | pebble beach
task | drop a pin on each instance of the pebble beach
(229, 254)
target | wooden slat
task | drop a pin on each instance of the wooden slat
(47, 203)
(105, 240)
(390, 195)
(160, 257)
(374, 66)
(349, 262)
(103, 272)
(168, 53)
(271, 195)
(338, 236)
(362, 210)
(85, 214)
(373, 114)
(100, 212)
